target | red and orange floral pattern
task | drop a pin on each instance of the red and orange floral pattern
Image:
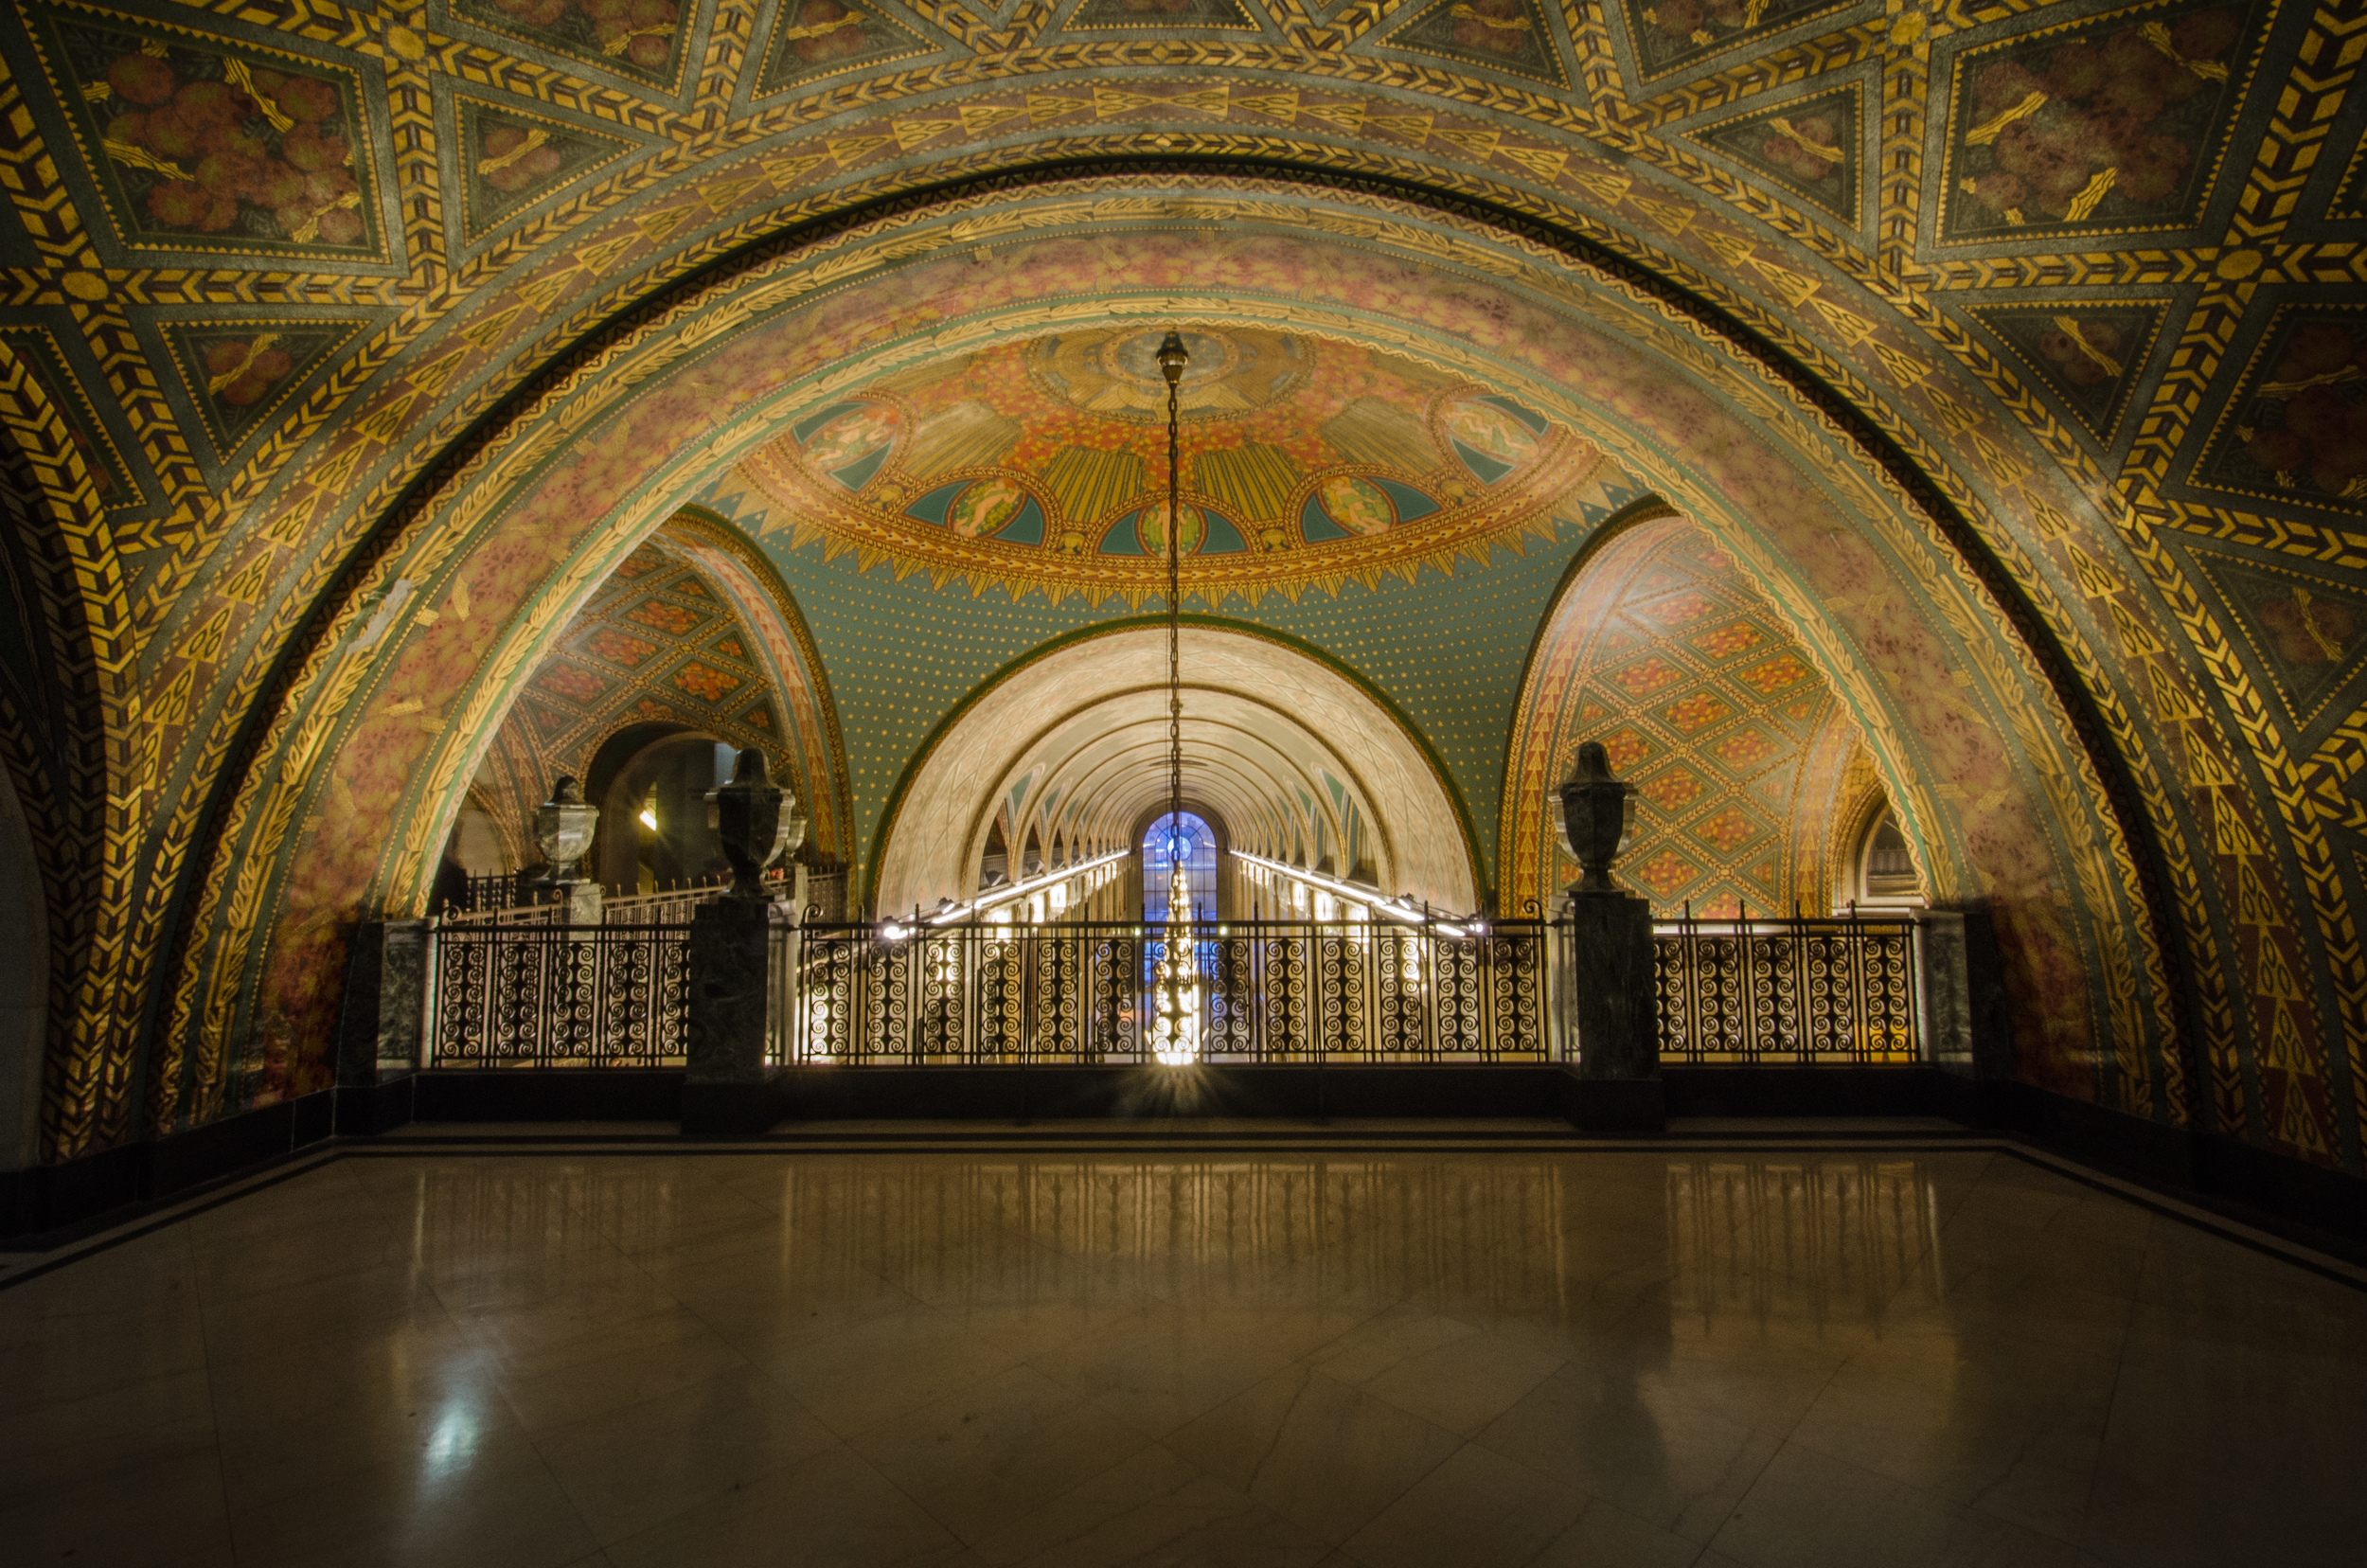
(705, 682)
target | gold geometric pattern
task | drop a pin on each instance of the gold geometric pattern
(1713, 767)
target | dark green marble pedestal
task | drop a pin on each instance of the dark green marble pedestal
(727, 1088)
(1609, 1014)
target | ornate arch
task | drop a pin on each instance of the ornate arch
(661, 402)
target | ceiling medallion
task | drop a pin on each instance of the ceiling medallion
(1117, 373)
(1040, 465)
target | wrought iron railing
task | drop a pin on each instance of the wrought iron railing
(1727, 992)
(530, 995)
(1805, 991)
(1269, 991)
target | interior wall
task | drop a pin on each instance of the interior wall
(23, 986)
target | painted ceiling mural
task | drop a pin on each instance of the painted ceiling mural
(1666, 654)
(2093, 270)
(1042, 466)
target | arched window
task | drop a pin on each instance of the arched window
(1886, 871)
(1188, 838)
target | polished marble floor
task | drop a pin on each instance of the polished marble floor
(1752, 1355)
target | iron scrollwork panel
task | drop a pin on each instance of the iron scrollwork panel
(462, 1000)
(1116, 1018)
(1460, 998)
(1287, 1000)
(1338, 994)
(1516, 1013)
(1398, 997)
(1232, 997)
(939, 958)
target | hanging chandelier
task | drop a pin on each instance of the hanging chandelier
(1175, 992)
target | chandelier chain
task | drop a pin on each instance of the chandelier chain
(1175, 608)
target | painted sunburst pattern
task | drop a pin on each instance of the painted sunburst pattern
(1041, 465)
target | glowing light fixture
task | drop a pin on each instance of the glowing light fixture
(648, 818)
(986, 903)
(1175, 1026)
(1402, 909)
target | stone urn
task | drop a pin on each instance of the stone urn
(563, 829)
(1595, 811)
(758, 823)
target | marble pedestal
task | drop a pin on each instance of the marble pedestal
(1610, 1013)
(381, 1025)
(727, 1088)
(586, 904)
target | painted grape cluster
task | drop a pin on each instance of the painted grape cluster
(639, 33)
(2085, 354)
(1491, 26)
(827, 31)
(256, 151)
(516, 159)
(2052, 134)
(2309, 420)
(240, 370)
(1806, 148)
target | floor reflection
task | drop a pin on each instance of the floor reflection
(1748, 1355)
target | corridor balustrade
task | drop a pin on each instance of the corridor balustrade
(978, 989)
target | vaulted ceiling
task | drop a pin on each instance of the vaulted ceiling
(345, 352)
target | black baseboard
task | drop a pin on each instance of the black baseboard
(1817, 1091)
(1030, 1094)
(367, 1110)
(2094, 1135)
(547, 1094)
(77, 1194)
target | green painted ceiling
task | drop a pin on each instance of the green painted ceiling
(1446, 649)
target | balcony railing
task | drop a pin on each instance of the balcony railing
(1265, 991)
(1804, 991)
(539, 993)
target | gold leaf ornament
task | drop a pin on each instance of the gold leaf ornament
(2090, 195)
(534, 138)
(622, 41)
(140, 157)
(310, 228)
(2070, 328)
(220, 380)
(1502, 24)
(1994, 127)
(237, 71)
(1785, 128)
(790, 35)
(2158, 34)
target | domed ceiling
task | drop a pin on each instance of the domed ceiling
(1043, 465)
